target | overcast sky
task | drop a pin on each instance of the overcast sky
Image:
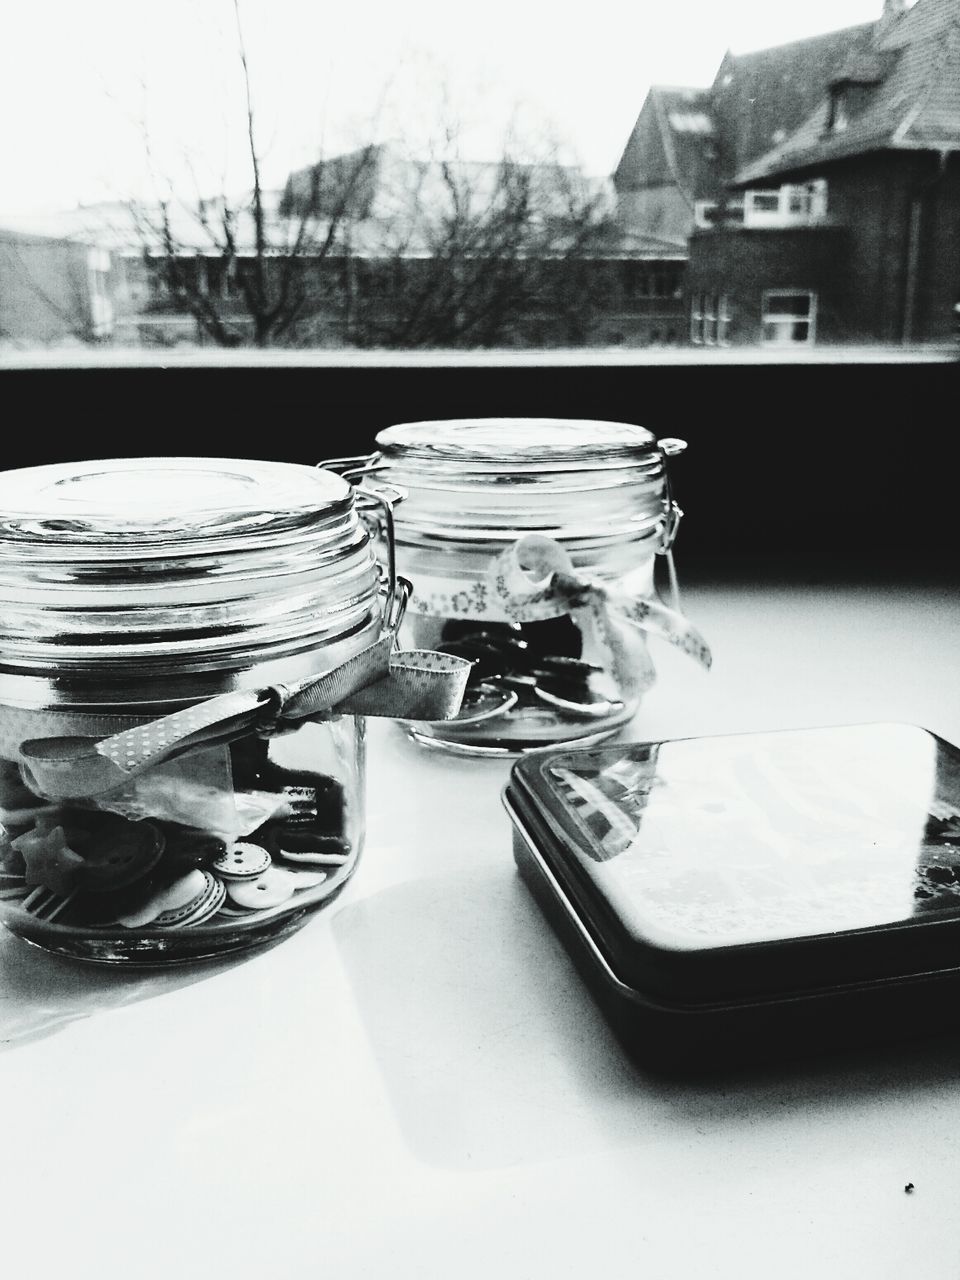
(85, 83)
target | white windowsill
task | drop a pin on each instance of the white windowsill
(210, 357)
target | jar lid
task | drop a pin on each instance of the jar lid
(158, 564)
(554, 442)
(482, 479)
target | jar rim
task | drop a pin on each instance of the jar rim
(95, 506)
(477, 479)
(518, 440)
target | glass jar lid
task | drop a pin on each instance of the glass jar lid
(482, 479)
(555, 442)
(155, 564)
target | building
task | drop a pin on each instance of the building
(53, 290)
(456, 252)
(379, 249)
(817, 185)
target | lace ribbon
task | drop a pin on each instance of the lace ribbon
(535, 578)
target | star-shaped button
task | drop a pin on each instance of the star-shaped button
(48, 859)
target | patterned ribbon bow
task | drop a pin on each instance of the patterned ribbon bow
(414, 684)
(535, 578)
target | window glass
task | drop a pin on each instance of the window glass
(413, 177)
(788, 318)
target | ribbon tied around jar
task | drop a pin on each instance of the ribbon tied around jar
(534, 578)
(413, 684)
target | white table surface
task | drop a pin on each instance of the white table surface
(416, 1084)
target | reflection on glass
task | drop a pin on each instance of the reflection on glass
(225, 188)
(717, 841)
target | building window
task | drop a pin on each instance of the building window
(709, 320)
(788, 206)
(789, 317)
(641, 280)
(762, 202)
(837, 120)
(702, 211)
(101, 302)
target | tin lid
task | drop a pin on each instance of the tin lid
(482, 479)
(729, 867)
(152, 564)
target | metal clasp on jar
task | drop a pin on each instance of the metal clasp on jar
(672, 513)
(380, 501)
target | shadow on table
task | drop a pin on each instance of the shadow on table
(41, 993)
(494, 1054)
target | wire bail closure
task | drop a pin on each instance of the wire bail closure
(670, 447)
(354, 470)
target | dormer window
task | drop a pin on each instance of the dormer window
(837, 118)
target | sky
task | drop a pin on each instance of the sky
(108, 99)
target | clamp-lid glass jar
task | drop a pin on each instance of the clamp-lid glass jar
(183, 644)
(531, 543)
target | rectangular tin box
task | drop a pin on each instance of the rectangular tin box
(735, 898)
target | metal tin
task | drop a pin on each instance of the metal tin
(754, 895)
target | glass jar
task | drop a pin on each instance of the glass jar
(531, 543)
(183, 642)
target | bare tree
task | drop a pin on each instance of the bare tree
(465, 254)
(388, 248)
(248, 269)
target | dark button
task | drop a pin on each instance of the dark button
(118, 851)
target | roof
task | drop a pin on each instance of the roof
(907, 97)
(134, 228)
(385, 182)
(41, 231)
(672, 142)
(402, 212)
(761, 97)
(695, 139)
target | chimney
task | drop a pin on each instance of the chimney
(892, 11)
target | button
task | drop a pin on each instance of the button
(271, 889)
(118, 851)
(302, 880)
(175, 897)
(242, 862)
(201, 907)
(296, 845)
(306, 879)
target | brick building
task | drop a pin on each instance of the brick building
(817, 185)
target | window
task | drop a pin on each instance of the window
(792, 205)
(710, 320)
(760, 202)
(647, 280)
(101, 302)
(472, 178)
(837, 119)
(788, 317)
